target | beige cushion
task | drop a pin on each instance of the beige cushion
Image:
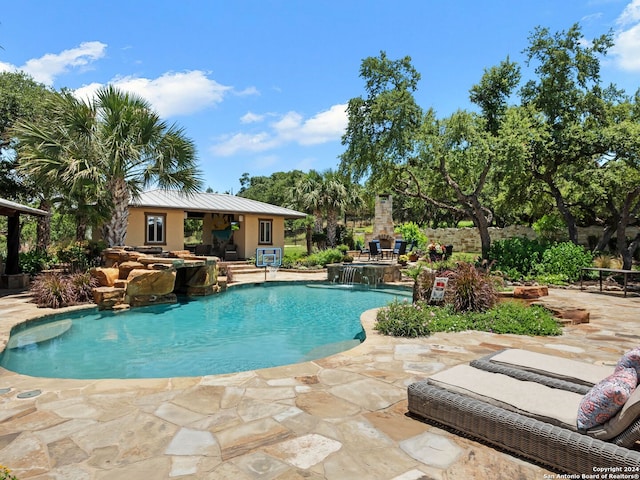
(553, 366)
(547, 404)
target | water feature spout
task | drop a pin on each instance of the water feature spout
(348, 275)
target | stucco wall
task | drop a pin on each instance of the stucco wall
(246, 238)
(248, 234)
(174, 234)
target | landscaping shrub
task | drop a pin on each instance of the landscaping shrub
(53, 290)
(34, 261)
(472, 290)
(565, 259)
(81, 256)
(83, 283)
(516, 318)
(56, 290)
(413, 234)
(323, 257)
(516, 257)
(402, 319)
(420, 319)
(292, 257)
(606, 260)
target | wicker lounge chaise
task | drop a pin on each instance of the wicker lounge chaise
(528, 419)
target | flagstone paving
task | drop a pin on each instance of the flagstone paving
(340, 417)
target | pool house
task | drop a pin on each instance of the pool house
(232, 227)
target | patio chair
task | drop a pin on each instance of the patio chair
(400, 248)
(374, 251)
(363, 250)
(526, 418)
(203, 250)
(230, 252)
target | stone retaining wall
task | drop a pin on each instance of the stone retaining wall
(468, 239)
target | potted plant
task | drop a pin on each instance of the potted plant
(403, 259)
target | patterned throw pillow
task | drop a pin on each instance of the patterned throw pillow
(606, 398)
(631, 359)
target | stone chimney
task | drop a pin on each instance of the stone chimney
(383, 221)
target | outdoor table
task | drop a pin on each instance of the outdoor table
(617, 271)
(386, 252)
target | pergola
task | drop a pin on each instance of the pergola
(12, 211)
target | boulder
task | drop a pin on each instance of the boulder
(106, 276)
(176, 262)
(180, 253)
(528, 292)
(566, 314)
(204, 276)
(144, 300)
(126, 267)
(150, 282)
(108, 297)
(200, 291)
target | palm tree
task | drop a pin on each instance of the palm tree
(333, 199)
(110, 147)
(326, 194)
(306, 195)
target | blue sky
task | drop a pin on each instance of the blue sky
(261, 86)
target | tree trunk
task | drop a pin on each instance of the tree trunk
(43, 228)
(482, 224)
(332, 224)
(625, 250)
(319, 221)
(603, 243)
(568, 217)
(115, 229)
(309, 238)
(81, 229)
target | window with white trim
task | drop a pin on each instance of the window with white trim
(156, 223)
(265, 228)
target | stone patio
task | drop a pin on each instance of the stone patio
(341, 417)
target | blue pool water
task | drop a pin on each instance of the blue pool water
(244, 328)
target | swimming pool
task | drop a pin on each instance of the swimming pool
(244, 328)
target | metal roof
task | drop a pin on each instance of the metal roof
(210, 202)
(9, 208)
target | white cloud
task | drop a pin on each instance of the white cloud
(238, 142)
(626, 50)
(631, 14)
(174, 93)
(49, 66)
(86, 92)
(251, 117)
(247, 91)
(326, 126)
(7, 67)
